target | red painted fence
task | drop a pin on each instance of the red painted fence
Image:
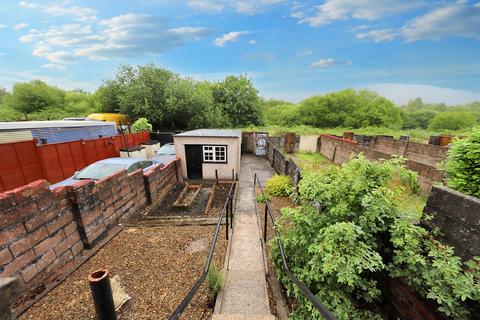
(24, 162)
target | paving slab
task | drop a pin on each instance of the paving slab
(245, 292)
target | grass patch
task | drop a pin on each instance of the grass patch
(311, 160)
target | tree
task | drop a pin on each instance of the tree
(282, 114)
(349, 108)
(35, 96)
(418, 119)
(452, 120)
(238, 100)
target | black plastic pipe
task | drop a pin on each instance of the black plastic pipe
(102, 294)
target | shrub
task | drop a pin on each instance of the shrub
(463, 164)
(452, 120)
(280, 186)
(214, 281)
(352, 226)
(141, 125)
(262, 198)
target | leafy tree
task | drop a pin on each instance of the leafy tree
(238, 100)
(141, 124)
(452, 120)
(280, 113)
(79, 103)
(418, 119)
(463, 164)
(349, 108)
(35, 96)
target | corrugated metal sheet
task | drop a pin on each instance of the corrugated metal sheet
(54, 135)
(15, 136)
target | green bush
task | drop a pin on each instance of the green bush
(262, 198)
(280, 186)
(214, 281)
(463, 164)
(452, 120)
(354, 223)
(141, 125)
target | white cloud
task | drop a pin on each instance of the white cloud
(54, 66)
(228, 37)
(304, 53)
(2, 54)
(29, 5)
(20, 26)
(330, 62)
(457, 19)
(332, 10)
(82, 14)
(241, 6)
(401, 93)
(133, 34)
(252, 42)
(119, 37)
(2, 26)
(379, 35)
(209, 6)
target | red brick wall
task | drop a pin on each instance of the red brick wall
(158, 181)
(101, 205)
(38, 232)
(41, 230)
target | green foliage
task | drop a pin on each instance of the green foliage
(453, 120)
(141, 124)
(350, 109)
(214, 281)
(353, 225)
(280, 186)
(463, 164)
(35, 96)
(238, 99)
(262, 198)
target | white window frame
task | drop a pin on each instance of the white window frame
(210, 153)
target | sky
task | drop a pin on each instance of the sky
(291, 50)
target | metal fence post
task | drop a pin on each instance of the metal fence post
(265, 223)
(226, 225)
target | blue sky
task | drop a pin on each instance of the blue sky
(290, 49)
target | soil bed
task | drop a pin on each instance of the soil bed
(199, 205)
(155, 270)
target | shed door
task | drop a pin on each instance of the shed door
(194, 159)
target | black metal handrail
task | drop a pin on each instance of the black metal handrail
(228, 208)
(327, 314)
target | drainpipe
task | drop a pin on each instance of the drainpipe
(102, 294)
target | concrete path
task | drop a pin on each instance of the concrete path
(245, 293)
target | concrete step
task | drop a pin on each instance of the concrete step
(242, 317)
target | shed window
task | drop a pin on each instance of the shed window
(215, 153)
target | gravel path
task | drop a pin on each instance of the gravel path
(155, 270)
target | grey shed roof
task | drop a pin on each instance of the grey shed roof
(225, 133)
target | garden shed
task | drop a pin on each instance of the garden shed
(203, 151)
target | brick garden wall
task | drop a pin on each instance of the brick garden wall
(41, 230)
(38, 231)
(458, 218)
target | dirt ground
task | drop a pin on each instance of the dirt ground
(155, 270)
(199, 205)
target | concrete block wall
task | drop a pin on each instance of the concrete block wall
(38, 231)
(41, 230)
(338, 150)
(248, 142)
(458, 217)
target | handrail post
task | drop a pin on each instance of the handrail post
(265, 223)
(226, 225)
(231, 211)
